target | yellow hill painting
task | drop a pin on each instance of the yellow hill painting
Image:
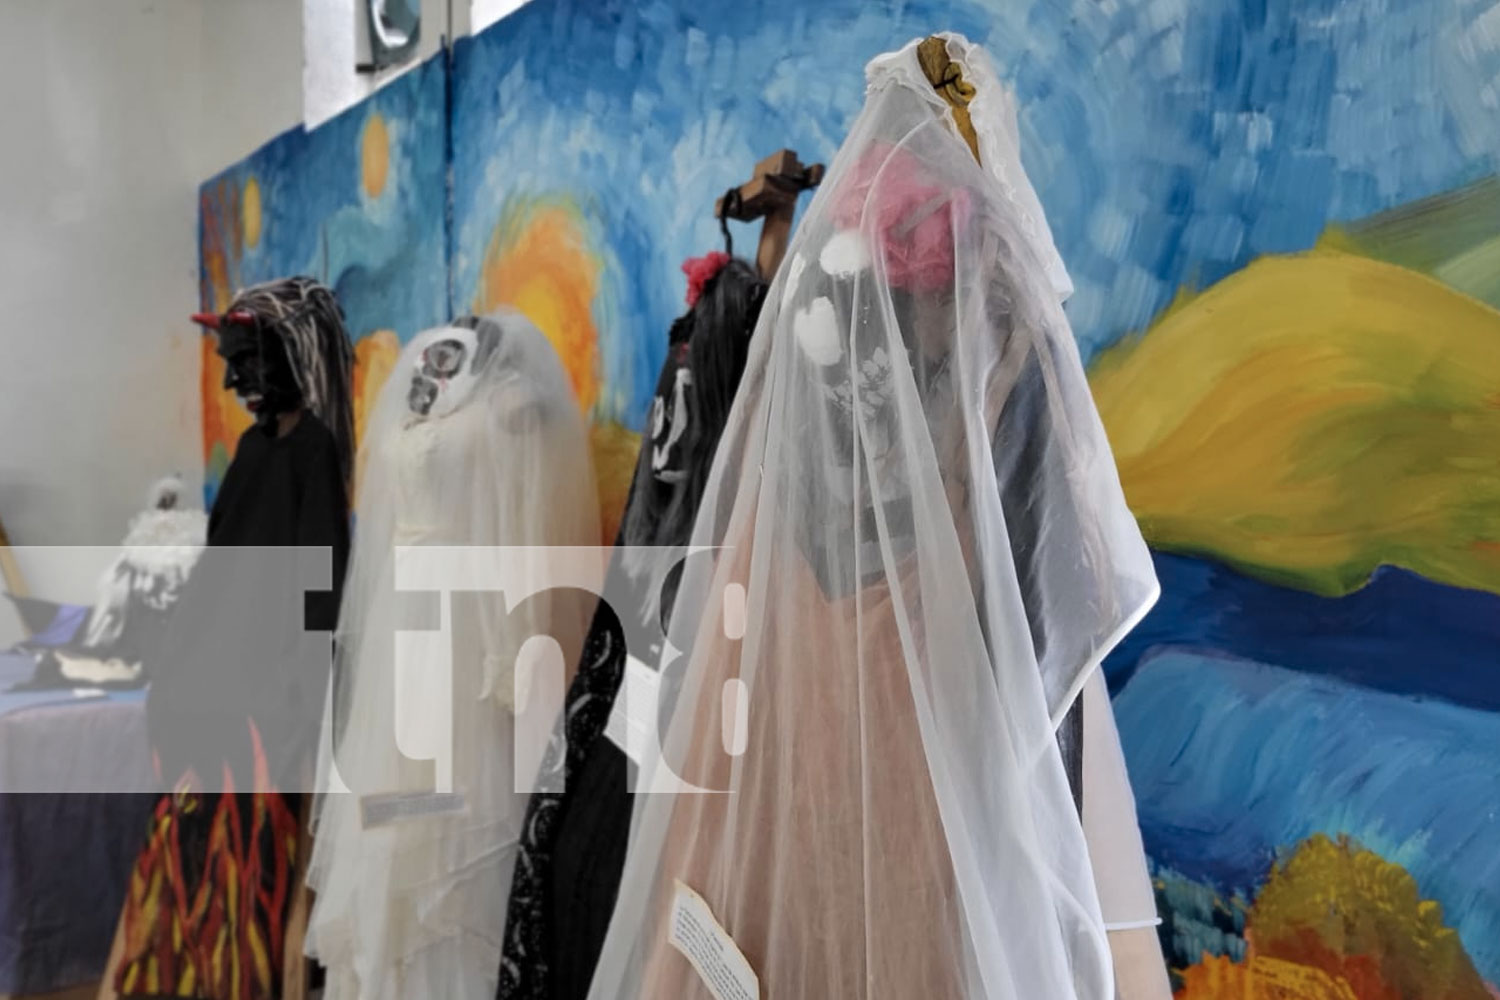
(1327, 425)
(1332, 412)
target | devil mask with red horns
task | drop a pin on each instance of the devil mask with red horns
(256, 367)
(285, 347)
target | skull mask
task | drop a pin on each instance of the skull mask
(447, 369)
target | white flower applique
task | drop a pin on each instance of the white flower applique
(817, 332)
(874, 383)
(845, 254)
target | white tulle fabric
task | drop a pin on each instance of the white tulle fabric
(417, 908)
(916, 495)
(1109, 819)
(1126, 896)
(997, 126)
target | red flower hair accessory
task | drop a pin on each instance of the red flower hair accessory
(700, 271)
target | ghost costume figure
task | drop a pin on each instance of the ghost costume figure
(476, 440)
(136, 593)
(860, 792)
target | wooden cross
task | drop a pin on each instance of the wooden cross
(771, 194)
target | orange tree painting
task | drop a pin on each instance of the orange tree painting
(1337, 922)
(541, 260)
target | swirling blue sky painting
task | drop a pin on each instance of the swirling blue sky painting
(360, 204)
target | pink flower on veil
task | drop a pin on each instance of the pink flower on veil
(911, 212)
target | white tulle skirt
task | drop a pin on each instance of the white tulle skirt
(416, 830)
(441, 958)
(416, 908)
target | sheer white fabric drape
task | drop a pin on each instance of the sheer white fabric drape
(416, 908)
(918, 500)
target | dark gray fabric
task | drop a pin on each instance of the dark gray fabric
(1070, 742)
(65, 857)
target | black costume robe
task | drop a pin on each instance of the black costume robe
(236, 700)
(572, 848)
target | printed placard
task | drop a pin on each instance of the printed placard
(632, 720)
(709, 948)
(382, 810)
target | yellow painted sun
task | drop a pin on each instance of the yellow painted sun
(250, 211)
(539, 262)
(374, 154)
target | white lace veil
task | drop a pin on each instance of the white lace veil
(920, 518)
(415, 907)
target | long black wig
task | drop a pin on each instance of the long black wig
(310, 324)
(715, 334)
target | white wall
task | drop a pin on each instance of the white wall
(331, 31)
(115, 110)
(330, 35)
(483, 13)
(251, 76)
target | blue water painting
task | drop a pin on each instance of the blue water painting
(1398, 633)
(1234, 760)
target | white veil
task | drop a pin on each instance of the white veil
(412, 902)
(916, 495)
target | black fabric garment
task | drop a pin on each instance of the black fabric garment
(236, 699)
(530, 948)
(1070, 742)
(572, 848)
(248, 640)
(288, 491)
(588, 861)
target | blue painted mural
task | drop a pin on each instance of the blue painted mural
(1283, 223)
(359, 203)
(1245, 758)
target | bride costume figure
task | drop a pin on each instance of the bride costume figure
(476, 440)
(925, 556)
